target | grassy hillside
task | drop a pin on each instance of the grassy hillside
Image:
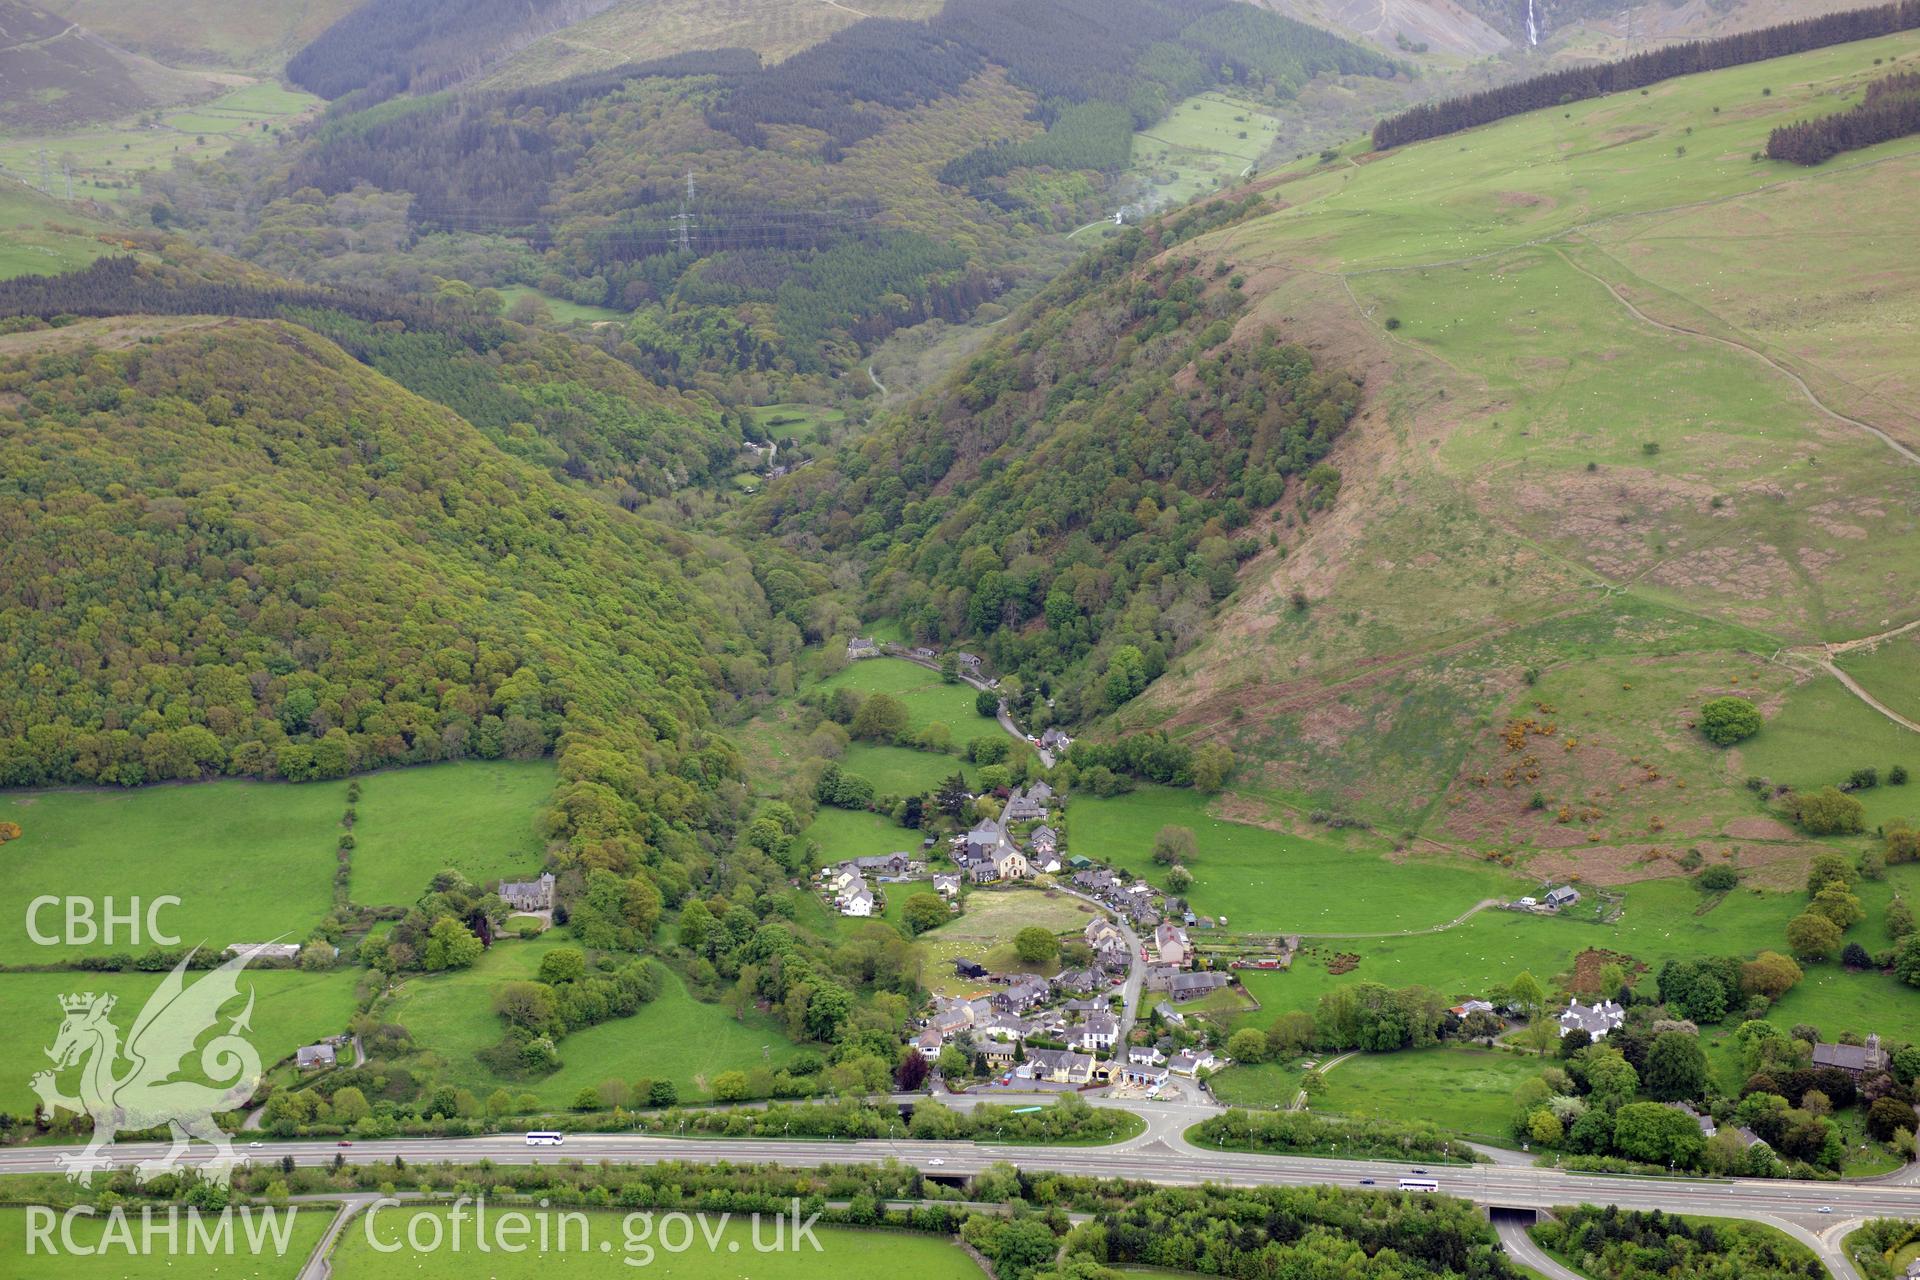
(1614, 455)
(39, 236)
(256, 36)
(640, 30)
(58, 72)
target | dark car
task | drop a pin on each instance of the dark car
(343, 1143)
(1419, 1170)
(1366, 1182)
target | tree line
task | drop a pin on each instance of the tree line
(1575, 84)
(1891, 109)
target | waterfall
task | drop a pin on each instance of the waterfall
(1533, 31)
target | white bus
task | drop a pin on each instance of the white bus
(1419, 1184)
(545, 1138)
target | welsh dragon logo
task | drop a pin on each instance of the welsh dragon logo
(144, 1094)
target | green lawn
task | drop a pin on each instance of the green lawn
(675, 1038)
(900, 771)
(1260, 1084)
(985, 931)
(562, 309)
(801, 423)
(928, 698)
(476, 817)
(249, 861)
(1262, 880)
(290, 1009)
(843, 834)
(305, 1224)
(1467, 1090)
(622, 1245)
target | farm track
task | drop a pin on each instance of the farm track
(1755, 352)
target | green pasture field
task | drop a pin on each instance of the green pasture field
(1198, 147)
(927, 697)
(562, 309)
(1263, 880)
(305, 1225)
(249, 861)
(1578, 163)
(675, 1038)
(1257, 1084)
(849, 1253)
(1659, 923)
(475, 817)
(802, 423)
(29, 246)
(1822, 733)
(290, 1009)
(843, 834)
(985, 931)
(1891, 673)
(900, 771)
(106, 160)
(1469, 1091)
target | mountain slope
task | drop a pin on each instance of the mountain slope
(58, 73)
(257, 35)
(1612, 458)
(230, 548)
(642, 30)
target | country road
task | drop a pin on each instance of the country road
(1162, 1155)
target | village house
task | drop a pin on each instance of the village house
(1022, 807)
(1193, 986)
(1006, 1026)
(1058, 1066)
(1114, 957)
(1470, 1007)
(862, 647)
(315, 1057)
(1170, 945)
(1192, 1062)
(1564, 896)
(1100, 931)
(1080, 980)
(1596, 1020)
(947, 886)
(1094, 880)
(1170, 1015)
(966, 968)
(929, 1043)
(885, 865)
(857, 900)
(1856, 1060)
(1145, 1055)
(1100, 1031)
(969, 663)
(528, 895)
(1055, 740)
(951, 1017)
(999, 1053)
(1143, 1075)
(1020, 994)
(1043, 840)
(1159, 977)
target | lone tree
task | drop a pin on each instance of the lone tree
(1813, 937)
(925, 911)
(1035, 945)
(1175, 844)
(1726, 721)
